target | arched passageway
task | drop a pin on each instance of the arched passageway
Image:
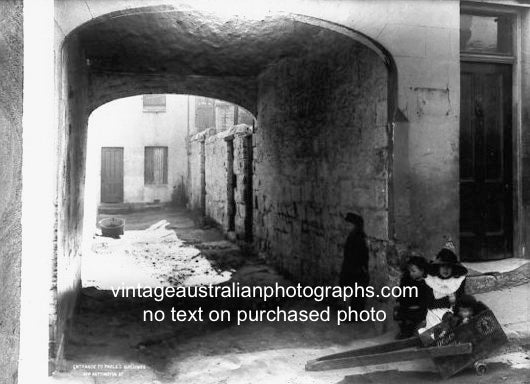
(323, 96)
(126, 135)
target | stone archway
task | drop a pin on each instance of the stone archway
(165, 50)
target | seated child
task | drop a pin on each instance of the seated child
(410, 311)
(446, 278)
(465, 308)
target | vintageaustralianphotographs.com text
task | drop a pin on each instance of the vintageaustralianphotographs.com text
(265, 292)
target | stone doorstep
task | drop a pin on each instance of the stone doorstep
(504, 265)
(128, 207)
(518, 335)
(478, 282)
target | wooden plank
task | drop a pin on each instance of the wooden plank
(388, 357)
(380, 348)
(450, 350)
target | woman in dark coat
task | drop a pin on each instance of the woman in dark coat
(355, 264)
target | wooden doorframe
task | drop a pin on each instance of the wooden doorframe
(516, 62)
(518, 224)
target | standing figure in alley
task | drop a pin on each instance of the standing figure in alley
(355, 265)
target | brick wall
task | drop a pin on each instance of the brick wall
(320, 151)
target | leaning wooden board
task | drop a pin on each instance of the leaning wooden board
(362, 360)
(451, 350)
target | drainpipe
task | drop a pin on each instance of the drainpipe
(188, 122)
(236, 115)
(188, 144)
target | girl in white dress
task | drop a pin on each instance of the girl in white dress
(446, 278)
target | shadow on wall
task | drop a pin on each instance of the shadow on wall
(319, 91)
(321, 150)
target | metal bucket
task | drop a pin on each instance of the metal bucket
(112, 227)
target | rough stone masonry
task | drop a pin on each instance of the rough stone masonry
(11, 64)
(320, 152)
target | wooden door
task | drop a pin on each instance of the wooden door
(111, 175)
(486, 216)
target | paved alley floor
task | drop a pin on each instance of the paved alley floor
(110, 342)
(152, 257)
(168, 248)
(511, 306)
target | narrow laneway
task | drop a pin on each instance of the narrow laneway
(171, 247)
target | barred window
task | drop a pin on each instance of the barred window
(155, 167)
(154, 103)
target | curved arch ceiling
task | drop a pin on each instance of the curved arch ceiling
(195, 44)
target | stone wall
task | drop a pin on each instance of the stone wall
(11, 62)
(193, 185)
(243, 184)
(216, 179)
(105, 87)
(320, 151)
(223, 174)
(72, 139)
(420, 48)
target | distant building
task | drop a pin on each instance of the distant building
(138, 148)
(219, 114)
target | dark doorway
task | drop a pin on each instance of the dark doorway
(486, 213)
(247, 181)
(111, 175)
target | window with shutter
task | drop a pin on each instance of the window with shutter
(155, 169)
(154, 103)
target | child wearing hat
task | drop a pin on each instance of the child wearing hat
(410, 311)
(446, 278)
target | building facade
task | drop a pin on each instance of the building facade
(414, 114)
(137, 149)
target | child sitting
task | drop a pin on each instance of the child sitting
(446, 278)
(465, 308)
(410, 311)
